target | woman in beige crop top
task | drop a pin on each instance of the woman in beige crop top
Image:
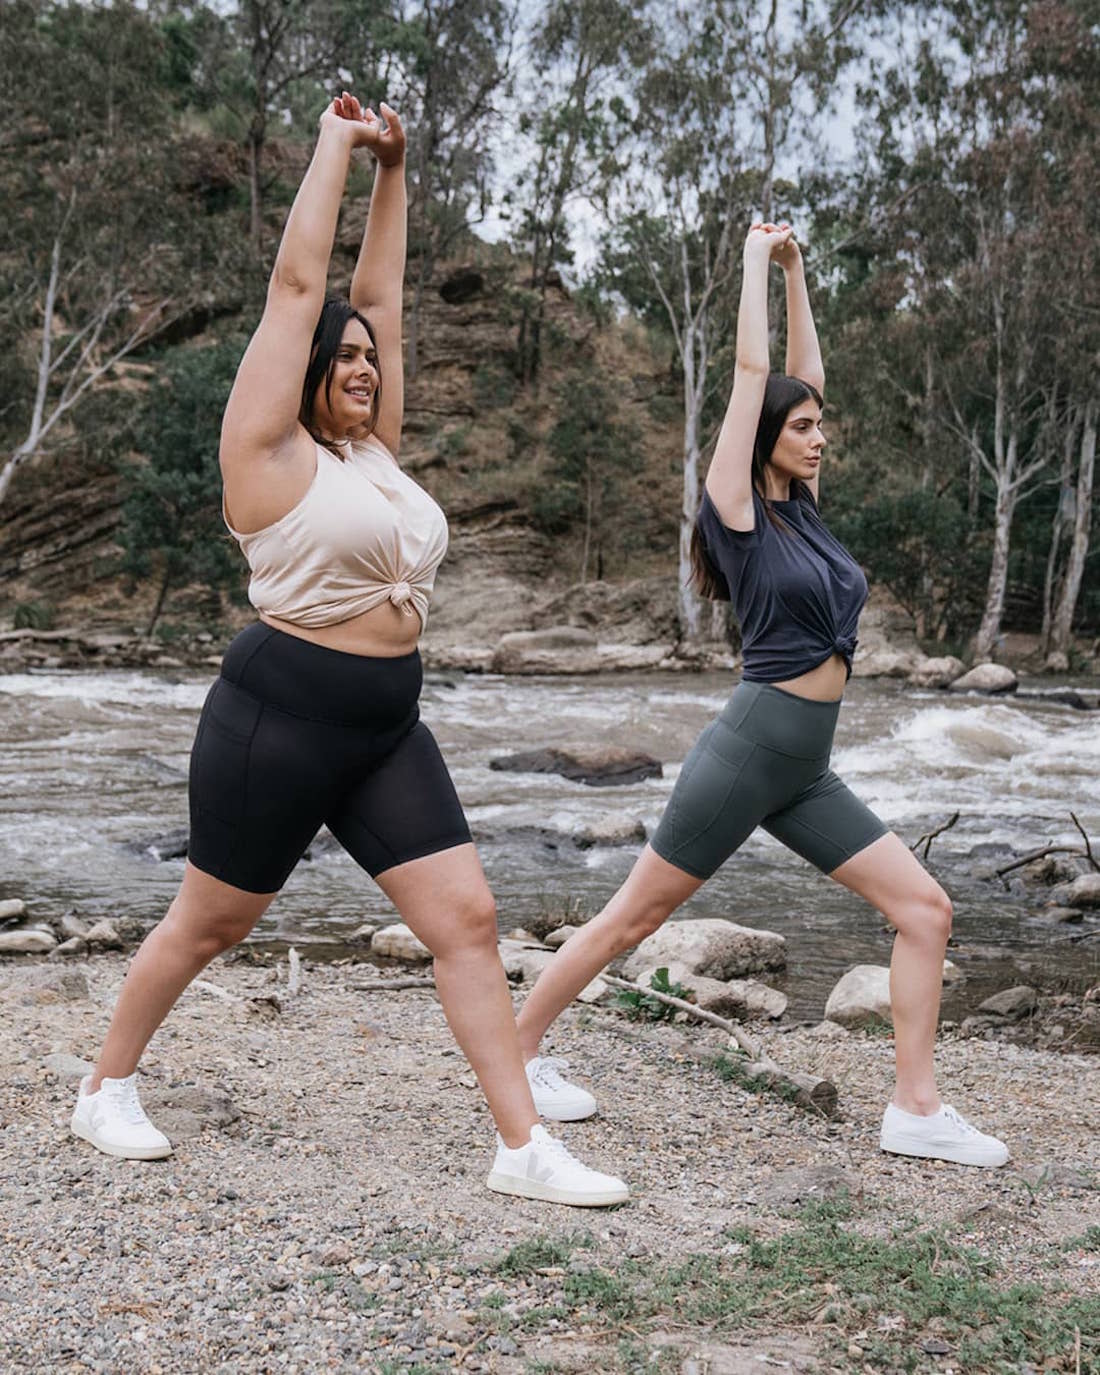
(314, 719)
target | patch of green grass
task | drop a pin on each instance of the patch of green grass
(639, 1006)
(1089, 1240)
(734, 1069)
(885, 1290)
(538, 1252)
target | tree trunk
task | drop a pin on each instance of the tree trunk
(255, 191)
(990, 628)
(1075, 566)
(412, 345)
(689, 602)
(1063, 518)
(158, 606)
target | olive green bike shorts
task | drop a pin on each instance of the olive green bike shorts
(764, 761)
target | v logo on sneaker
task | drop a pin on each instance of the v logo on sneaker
(538, 1172)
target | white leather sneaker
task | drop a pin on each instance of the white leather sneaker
(114, 1121)
(555, 1097)
(943, 1135)
(544, 1169)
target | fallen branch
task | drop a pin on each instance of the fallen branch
(1083, 936)
(807, 1088)
(391, 985)
(926, 840)
(1088, 848)
(1036, 854)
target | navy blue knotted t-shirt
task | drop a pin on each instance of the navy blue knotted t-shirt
(797, 592)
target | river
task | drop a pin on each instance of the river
(93, 762)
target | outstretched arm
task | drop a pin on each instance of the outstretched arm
(261, 417)
(378, 283)
(729, 479)
(803, 349)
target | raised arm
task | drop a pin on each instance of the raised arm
(803, 349)
(729, 478)
(377, 288)
(261, 417)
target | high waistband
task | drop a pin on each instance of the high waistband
(797, 726)
(321, 684)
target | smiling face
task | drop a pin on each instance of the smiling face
(797, 451)
(345, 401)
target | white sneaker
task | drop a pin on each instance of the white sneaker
(944, 1135)
(114, 1121)
(544, 1169)
(554, 1096)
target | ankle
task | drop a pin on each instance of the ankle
(921, 1103)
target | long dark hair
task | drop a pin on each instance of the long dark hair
(781, 395)
(327, 337)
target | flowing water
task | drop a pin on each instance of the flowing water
(94, 764)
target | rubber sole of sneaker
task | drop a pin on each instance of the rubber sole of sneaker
(531, 1188)
(957, 1156)
(120, 1152)
(578, 1113)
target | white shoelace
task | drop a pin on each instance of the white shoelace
(125, 1099)
(958, 1120)
(550, 1145)
(546, 1073)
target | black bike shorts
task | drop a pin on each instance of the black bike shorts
(294, 735)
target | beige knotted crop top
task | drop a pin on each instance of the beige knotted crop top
(364, 533)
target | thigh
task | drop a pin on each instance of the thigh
(402, 808)
(444, 899)
(260, 782)
(719, 799)
(825, 823)
(885, 869)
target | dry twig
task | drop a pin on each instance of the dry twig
(926, 840)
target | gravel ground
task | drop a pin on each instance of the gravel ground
(325, 1207)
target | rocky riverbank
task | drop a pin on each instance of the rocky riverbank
(325, 1207)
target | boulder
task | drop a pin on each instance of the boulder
(103, 936)
(1011, 1002)
(72, 927)
(1064, 915)
(521, 962)
(1084, 891)
(740, 998)
(598, 767)
(363, 935)
(952, 974)
(884, 663)
(861, 997)
(11, 909)
(556, 939)
(27, 940)
(937, 673)
(994, 679)
(73, 946)
(711, 946)
(571, 649)
(616, 828)
(397, 942)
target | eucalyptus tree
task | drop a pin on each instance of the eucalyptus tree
(455, 60)
(102, 246)
(571, 126)
(726, 100)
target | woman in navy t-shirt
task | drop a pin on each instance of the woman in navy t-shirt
(760, 543)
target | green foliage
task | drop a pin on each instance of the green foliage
(639, 1006)
(36, 615)
(539, 1252)
(172, 526)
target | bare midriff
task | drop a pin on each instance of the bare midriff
(383, 632)
(825, 683)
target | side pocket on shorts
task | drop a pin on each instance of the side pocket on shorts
(706, 783)
(219, 757)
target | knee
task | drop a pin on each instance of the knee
(208, 933)
(641, 922)
(927, 914)
(474, 924)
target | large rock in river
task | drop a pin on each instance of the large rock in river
(600, 768)
(27, 940)
(994, 679)
(711, 946)
(860, 997)
(397, 942)
(1084, 891)
(937, 673)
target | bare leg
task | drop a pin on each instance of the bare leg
(890, 877)
(206, 918)
(446, 901)
(652, 891)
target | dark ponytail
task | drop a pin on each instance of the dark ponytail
(781, 395)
